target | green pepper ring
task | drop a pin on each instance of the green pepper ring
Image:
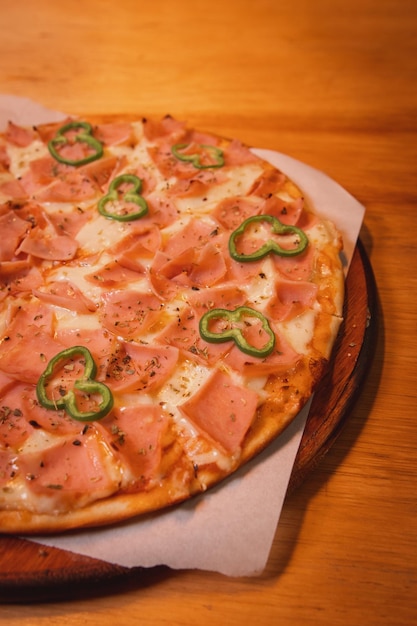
(278, 228)
(86, 384)
(235, 334)
(83, 137)
(133, 195)
(195, 158)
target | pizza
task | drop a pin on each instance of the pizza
(168, 303)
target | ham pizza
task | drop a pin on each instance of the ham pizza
(168, 303)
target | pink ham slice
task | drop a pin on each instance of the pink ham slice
(134, 434)
(100, 342)
(113, 133)
(157, 130)
(14, 190)
(7, 467)
(75, 187)
(65, 294)
(14, 426)
(139, 368)
(114, 274)
(223, 410)
(291, 298)
(183, 333)
(280, 359)
(237, 154)
(16, 229)
(231, 212)
(129, 313)
(70, 469)
(27, 359)
(19, 136)
(268, 183)
(49, 247)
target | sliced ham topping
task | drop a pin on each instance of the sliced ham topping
(269, 182)
(289, 212)
(209, 267)
(47, 131)
(168, 126)
(15, 361)
(50, 181)
(231, 212)
(170, 167)
(238, 154)
(142, 243)
(29, 331)
(73, 150)
(114, 133)
(41, 172)
(21, 277)
(195, 267)
(75, 187)
(14, 426)
(184, 334)
(185, 188)
(99, 342)
(19, 136)
(190, 258)
(65, 294)
(100, 171)
(129, 313)
(114, 274)
(69, 223)
(298, 268)
(53, 422)
(21, 415)
(70, 470)
(163, 211)
(283, 356)
(16, 229)
(136, 367)
(135, 434)
(5, 383)
(224, 297)
(146, 175)
(223, 410)
(242, 273)
(33, 214)
(31, 315)
(191, 268)
(4, 159)
(7, 468)
(14, 190)
(193, 183)
(43, 246)
(291, 298)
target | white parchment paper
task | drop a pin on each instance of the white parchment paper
(229, 529)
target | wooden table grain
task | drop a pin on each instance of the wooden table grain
(333, 84)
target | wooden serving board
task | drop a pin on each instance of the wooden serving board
(30, 572)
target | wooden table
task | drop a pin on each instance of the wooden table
(332, 84)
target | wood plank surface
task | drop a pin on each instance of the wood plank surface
(332, 84)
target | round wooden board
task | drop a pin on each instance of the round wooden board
(30, 572)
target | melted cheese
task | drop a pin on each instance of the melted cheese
(240, 180)
(21, 157)
(100, 234)
(299, 331)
